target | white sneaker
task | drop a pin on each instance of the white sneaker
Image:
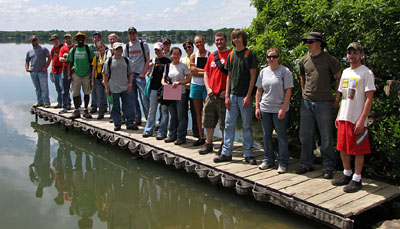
(282, 169)
(264, 166)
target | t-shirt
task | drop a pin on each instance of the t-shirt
(158, 70)
(56, 63)
(318, 72)
(353, 85)
(37, 58)
(65, 49)
(199, 62)
(98, 62)
(274, 83)
(136, 56)
(82, 65)
(216, 78)
(118, 81)
(240, 74)
(177, 72)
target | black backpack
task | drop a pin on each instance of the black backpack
(219, 63)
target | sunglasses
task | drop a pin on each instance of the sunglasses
(273, 57)
(353, 52)
(188, 47)
(310, 41)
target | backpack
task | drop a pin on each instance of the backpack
(109, 67)
(245, 60)
(87, 52)
(219, 64)
(141, 46)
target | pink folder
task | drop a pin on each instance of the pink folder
(171, 93)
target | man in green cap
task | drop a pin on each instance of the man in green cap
(57, 68)
(80, 58)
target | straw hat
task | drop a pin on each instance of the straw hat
(80, 34)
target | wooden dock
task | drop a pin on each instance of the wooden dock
(309, 194)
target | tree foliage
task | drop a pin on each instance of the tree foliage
(373, 23)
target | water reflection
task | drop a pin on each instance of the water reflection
(98, 183)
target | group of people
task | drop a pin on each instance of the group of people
(218, 86)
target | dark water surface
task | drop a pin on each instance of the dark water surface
(51, 178)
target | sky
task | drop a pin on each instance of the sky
(144, 15)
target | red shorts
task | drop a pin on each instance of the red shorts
(348, 142)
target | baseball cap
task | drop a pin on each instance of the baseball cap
(67, 35)
(166, 40)
(132, 29)
(158, 46)
(355, 45)
(53, 37)
(117, 45)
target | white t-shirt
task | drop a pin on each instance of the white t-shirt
(274, 83)
(353, 85)
(177, 72)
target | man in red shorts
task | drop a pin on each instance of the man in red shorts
(357, 87)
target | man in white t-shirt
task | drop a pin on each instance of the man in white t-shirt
(357, 88)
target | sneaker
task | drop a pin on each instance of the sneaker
(168, 140)
(37, 105)
(282, 169)
(46, 106)
(179, 142)
(146, 135)
(353, 186)
(137, 123)
(133, 127)
(264, 166)
(250, 160)
(58, 106)
(303, 169)
(93, 110)
(200, 141)
(76, 114)
(222, 158)
(62, 111)
(69, 107)
(86, 114)
(342, 180)
(159, 137)
(327, 174)
(100, 117)
(206, 148)
(117, 128)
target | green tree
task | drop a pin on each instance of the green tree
(373, 23)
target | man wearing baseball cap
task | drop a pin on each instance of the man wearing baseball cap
(316, 70)
(80, 58)
(357, 87)
(66, 83)
(36, 64)
(57, 68)
(139, 56)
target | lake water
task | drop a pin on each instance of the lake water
(50, 178)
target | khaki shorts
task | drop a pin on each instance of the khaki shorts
(213, 112)
(77, 82)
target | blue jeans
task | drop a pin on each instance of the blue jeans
(321, 113)
(93, 97)
(179, 116)
(139, 90)
(270, 121)
(66, 85)
(195, 128)
(100, 92)
(151, 119)
(59, 87)
(39, 80)
(230, 126)
(126, 99)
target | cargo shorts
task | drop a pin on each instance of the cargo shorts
(214, 112)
